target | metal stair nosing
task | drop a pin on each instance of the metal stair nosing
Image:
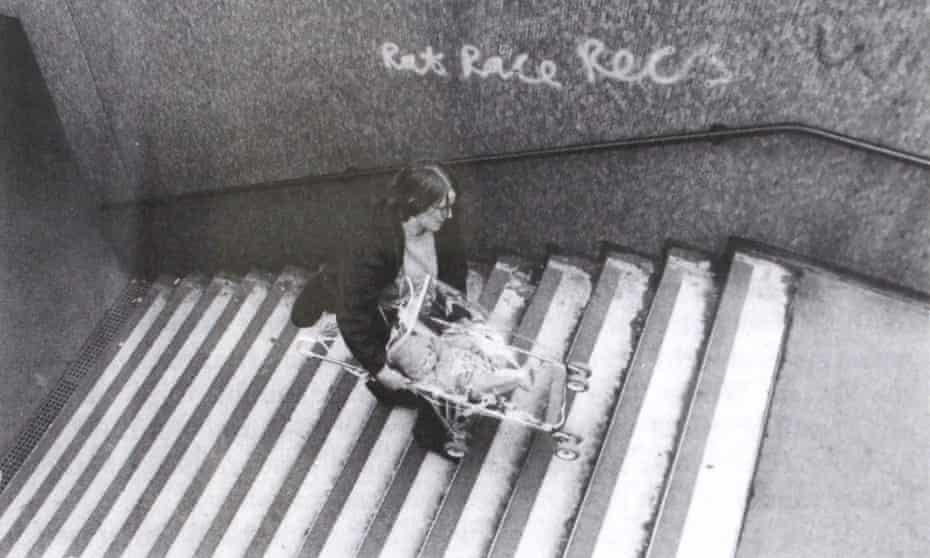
(550, 490)
(82, 417)
(423, 480)
(478, 499)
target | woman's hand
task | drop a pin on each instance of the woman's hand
(391, 379)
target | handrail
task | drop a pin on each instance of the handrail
(716, 133)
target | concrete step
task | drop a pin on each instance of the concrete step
(98, 349)
(112, 525)
(550, 490)
(625, 493)
(96, 423)
(73, 414)
(209, 433)
(843, 466)
(422, 480)
(479, 494)
(106, 473)
(350, 521)
(176, 521)
(703, 511)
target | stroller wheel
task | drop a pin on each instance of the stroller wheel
(456, 449)
(566, 454)
(566, 445)
(566, 438)
(576, 385)
(581, 371)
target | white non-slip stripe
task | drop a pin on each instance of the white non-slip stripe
(110, 527)
(478, 523)
(718, 502)
(549, 523)
(419, 509)
(320, 479)
(114, 409)
(425, 496)
(512, 301)
(284, 454)
(637, 491)
(186, 469)
(117, 457)
(237, 455)
(370, 488)
(77, 420)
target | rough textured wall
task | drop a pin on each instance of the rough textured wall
(57, 273)
(825, 202)
(172, 97)
(811, 197)
(203, 94)
(58, 49)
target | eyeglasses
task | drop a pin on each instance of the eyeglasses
(444, 207)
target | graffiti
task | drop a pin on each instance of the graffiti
(495, 65)
(596, 63)
(875, 57)
(429, 61)
(622, 65)
(831, 56)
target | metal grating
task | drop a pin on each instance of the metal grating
(102, 336)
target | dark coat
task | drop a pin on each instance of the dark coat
(374, 260)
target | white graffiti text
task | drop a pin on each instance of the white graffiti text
(422, 63)
(470, 56)
(622, 64)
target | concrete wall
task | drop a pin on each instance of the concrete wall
(59, 51)
(816, 199)
(172, 97)
(58, 274)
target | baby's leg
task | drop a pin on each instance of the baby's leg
(502, 381)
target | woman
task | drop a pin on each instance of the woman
(412, 232)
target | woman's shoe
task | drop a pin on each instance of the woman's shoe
(400, 397)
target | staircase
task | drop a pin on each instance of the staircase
(201, 430)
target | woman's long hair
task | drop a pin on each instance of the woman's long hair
(415, 188)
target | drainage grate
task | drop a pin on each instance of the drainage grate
(104, 334)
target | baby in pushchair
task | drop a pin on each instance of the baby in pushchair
(459, 361)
